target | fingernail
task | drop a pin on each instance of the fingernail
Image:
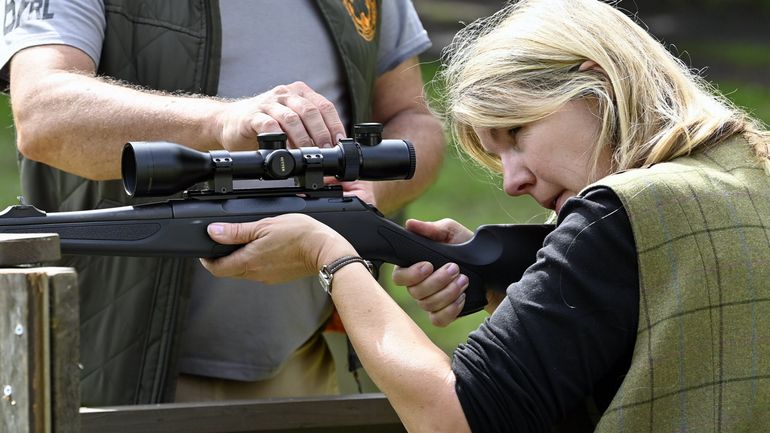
(425, 269)
(460, 299)
(339, 137)
(216, 229)
(452, 269)
(462, 281)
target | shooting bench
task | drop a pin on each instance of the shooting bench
(40, 373)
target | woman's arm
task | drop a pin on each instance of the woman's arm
(415, 375)
(565, 328)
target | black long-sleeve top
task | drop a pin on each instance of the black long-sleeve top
(565, 331)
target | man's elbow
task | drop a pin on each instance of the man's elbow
(31, 136)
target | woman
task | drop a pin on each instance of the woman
(652, 293)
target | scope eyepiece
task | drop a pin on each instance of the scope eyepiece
(161, 169)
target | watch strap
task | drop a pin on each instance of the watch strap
(327, 271)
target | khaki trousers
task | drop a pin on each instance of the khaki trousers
(310, 371)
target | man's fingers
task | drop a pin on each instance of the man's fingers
(330, 118)
(291, 123)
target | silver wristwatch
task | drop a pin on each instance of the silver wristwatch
(326, 274)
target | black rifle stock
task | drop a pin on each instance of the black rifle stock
(496, 256)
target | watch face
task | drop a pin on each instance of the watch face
(325, 278)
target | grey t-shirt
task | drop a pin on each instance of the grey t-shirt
(238, 329)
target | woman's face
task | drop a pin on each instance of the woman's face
(550, 159)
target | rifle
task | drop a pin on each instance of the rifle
(496, 256)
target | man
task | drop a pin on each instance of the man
(86, 76)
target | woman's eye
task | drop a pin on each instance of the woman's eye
(514, 139)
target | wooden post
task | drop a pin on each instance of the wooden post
(39, 337)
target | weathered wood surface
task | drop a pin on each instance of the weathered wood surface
(39, 374)
(365, 413)
(22, 361)
(65, 351)
(28, 249)
(39, 338)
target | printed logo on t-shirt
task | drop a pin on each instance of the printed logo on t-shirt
(364, 18)
(19, 11)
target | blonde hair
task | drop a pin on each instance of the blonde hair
(521, 65)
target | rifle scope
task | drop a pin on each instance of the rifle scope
(161, 168)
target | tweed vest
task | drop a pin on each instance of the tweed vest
(702, 357)
(132, 308)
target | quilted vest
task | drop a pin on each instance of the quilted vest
(133, 308)
(702, 357)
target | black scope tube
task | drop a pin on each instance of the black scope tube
(160, 168)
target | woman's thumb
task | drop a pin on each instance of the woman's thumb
(232, 234)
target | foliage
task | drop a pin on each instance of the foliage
(9, 177)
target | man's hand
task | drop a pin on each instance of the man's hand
(360, 188)
(307, 118)
(440, 292)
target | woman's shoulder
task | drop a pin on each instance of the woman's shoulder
(728, 156)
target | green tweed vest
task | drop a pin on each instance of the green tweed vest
(132, 308)
(702, 357)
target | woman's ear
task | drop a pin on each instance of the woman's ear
(590, 65)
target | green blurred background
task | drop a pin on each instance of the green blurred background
(727, 41)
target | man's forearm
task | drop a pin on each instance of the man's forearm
(79, 123)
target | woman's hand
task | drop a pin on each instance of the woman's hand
(277, 249)
(440, 292)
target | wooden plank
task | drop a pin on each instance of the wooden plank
(22, 369)
(28, 249)
(366, 413)
(65, 350)
(39, 336)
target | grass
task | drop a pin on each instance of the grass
(746, 54)
(9, 171)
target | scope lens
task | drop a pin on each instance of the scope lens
(128, 169)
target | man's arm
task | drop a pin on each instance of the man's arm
(400, 106)
(70, 119)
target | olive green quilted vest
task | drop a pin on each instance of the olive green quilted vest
(702, 357)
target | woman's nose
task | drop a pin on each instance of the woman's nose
(517, 179)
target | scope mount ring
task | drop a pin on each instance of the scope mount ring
(314, 174)
(223, 171)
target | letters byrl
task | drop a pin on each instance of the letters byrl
(15, 12)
